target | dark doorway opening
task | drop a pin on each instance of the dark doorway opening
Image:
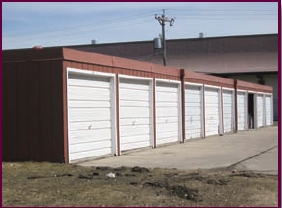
(251, 111)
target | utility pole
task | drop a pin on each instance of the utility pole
(162, 20)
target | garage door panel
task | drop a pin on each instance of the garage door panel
(193, 112)
(128, 95)
(82, 114)
(260, 111)
(227, 111)
(86, 125)
(241, 111)
(89, 153)
(166, 140)
(88, 104)
(134, 142)
(87, 146)
(170, 120)
(89, 116)
(168, 89)
(133, 84)
(130, 121)
(268, 110)
(211, 111)
(128, 103)
(134, 130)
(165, 96)
(88, 81)
(90, 135)
(166, 104)
(167, 127)
(193, 103)
(195, 122)
(167, 112)
(134, 112)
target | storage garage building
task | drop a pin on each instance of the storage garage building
(64, 105)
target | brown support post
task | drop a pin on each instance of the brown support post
(182, 77)
(65, 115)
(236, 107)
(117, 115)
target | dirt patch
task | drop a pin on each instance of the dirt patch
(51, 184)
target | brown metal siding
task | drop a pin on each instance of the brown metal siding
(10, 145)
(57, 111)
(32, 111)
(22, 107)
(33, 119)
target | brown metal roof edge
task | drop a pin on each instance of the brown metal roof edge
(205, 77)
(22, 55)
(117, 62)
(253, 86)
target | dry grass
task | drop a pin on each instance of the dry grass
(50, 184)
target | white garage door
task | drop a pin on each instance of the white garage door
(228, 115)
(167, 112)
(89, 116)
(268, 111)
(241, 110)
(193, 112)
(135, 113)
(259, 110)
(211, 111)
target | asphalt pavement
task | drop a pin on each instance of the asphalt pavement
(255, 150)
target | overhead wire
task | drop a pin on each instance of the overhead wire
(112, 23)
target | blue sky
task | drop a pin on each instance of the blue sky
(25, 25)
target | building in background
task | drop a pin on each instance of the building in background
(252, 58)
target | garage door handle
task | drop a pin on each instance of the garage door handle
(90, 126)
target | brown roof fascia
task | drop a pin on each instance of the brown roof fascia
(243, 85)
(208, 79)
(117, 62)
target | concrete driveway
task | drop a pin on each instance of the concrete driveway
(255, 150)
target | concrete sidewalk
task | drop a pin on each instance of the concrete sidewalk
(247, 150)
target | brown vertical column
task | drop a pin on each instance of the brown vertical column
(154, 112)
(236, 107)
(117, 115)
(182, 77)
(65, 114)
